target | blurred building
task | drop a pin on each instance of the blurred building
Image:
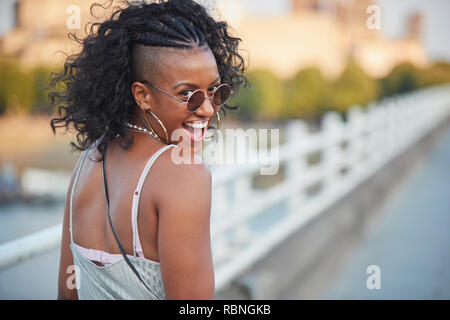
(41, 27)
(323, 33)
(314, 32)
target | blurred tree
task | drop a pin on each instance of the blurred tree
(263, 98)
(437, 73)
(404, 77)
(353, 87)
(17, 89)
(304, 94)
(41, 76)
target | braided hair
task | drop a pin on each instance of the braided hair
(93, 91)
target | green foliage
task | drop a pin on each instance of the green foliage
(41, 77)
(263, 98)
(354, 86)
(403, 78)
(22, 90)
(437, 73)
(305, 94)
(16, 88)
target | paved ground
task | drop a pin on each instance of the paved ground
(411, 241)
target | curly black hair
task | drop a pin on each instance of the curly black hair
(93, 91)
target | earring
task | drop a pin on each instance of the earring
(160, 123)
(218, 120)
(215, 129)
(143, 119)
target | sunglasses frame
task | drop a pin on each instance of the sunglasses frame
(145, 82)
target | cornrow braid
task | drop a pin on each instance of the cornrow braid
(153, 39)
(97, 98)
(177, 26)
(169, 32)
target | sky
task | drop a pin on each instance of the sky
(436, 31)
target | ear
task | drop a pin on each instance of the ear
(142, 95)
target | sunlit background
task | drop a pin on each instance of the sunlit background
(359, 208)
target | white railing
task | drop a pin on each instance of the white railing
(372, 136)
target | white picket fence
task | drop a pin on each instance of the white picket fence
(248, 222)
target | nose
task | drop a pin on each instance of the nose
(206, 109)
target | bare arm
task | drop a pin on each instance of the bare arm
(184, 247)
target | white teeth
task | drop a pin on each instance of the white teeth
(198, 125)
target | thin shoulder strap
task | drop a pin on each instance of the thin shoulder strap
(112, 227)
(83, 157)
(137, 195)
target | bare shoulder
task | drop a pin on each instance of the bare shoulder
(174, 160)
(184, 177)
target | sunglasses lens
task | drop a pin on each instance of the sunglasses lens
(220, 97)
(222, 94)
(195, 101)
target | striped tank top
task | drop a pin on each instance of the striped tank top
(115, 279)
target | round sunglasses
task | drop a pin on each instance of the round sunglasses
(195, 99)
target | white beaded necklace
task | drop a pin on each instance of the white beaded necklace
(133, 126)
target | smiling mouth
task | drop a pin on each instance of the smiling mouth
(196, 130)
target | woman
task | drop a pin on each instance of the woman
(147, 84)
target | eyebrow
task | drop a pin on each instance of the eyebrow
(192, 85)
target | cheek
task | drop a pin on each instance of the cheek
(172, 117)
(170, 114)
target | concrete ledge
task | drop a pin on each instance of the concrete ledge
(309, 259)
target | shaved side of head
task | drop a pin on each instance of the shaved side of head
(148, 62)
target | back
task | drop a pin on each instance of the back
(101, 271)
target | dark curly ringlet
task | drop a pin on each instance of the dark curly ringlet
(93, 91)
